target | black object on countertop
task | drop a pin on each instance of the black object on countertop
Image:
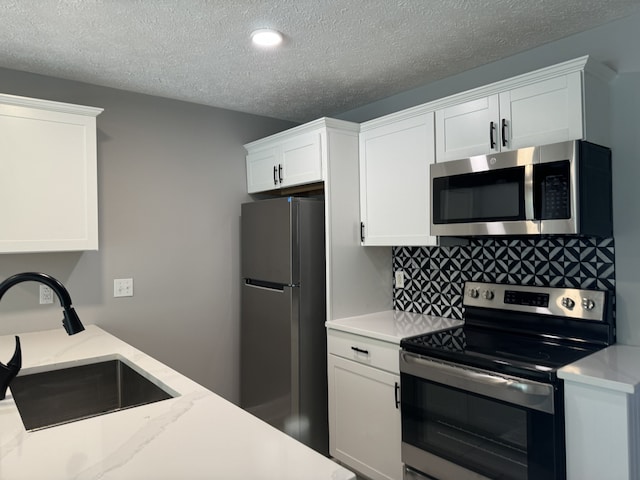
(71, 321)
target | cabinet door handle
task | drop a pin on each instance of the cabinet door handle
(275, 179)
(492, 141)
(360, 350)
(280, 172)
(397, 391)
(362, 231)
(504, 132)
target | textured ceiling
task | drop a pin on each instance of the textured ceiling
(337, 55)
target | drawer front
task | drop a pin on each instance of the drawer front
(369, 351)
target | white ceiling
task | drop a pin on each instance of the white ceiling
(337, 55)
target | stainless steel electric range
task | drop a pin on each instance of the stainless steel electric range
(483, 401)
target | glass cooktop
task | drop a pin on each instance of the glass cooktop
(520, 355)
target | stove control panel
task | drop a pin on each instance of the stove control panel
(563, 302)
(534, 299)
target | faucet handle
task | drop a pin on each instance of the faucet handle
(11, 369)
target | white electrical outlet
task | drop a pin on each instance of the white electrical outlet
(46, 295)
(399, 279)
(123, 287)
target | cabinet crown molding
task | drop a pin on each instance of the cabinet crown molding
(50, 105)
(585, 63)
(397, 116)
(324, 122)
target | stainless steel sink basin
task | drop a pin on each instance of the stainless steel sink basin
(65, 395)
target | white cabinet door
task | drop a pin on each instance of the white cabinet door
(539, 113)
(302, 160)
(394, 182)
(48, 178)
(262, 170)
(296, 160)
(548, 111)
(601, 433)
(364, 420)
(467, 129)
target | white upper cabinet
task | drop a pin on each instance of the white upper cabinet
(548, 111)
(262, 170)
(302, 160)
(395, 154)
(48, 176)
(564, 102)
(467, 129)
(285, 160)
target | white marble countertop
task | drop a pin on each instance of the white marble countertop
(197, 435)
(613, 368)
(392, 325)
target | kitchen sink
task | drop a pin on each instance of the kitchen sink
(64, 395)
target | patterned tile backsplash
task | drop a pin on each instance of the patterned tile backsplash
(435, 276)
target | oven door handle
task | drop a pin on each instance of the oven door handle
(522, 392)
(529, 389)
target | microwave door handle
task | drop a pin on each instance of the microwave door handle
(528, 192)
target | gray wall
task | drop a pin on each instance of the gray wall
(615, 45)
(171, 180)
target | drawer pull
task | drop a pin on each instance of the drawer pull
(360, 350)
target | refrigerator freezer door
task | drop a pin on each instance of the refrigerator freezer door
(269, 244)
(269, 363)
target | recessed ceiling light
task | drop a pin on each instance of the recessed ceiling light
(266, 37)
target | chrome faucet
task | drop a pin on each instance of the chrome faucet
(71, 321)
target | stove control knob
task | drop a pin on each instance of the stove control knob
(474, 292)
(488, 294)
(588, 304)
(568, 303)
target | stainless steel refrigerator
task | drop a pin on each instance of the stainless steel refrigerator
(283, 368)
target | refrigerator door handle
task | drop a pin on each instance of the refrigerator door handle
(264, 285)
(250, 282)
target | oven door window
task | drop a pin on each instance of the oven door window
(493, 196)
(496, 439)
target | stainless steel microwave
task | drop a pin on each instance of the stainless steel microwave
(558, 189)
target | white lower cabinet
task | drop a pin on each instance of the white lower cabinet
(602, 415)
(364, 410)
(602, 433)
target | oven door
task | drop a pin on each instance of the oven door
(463, 423)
